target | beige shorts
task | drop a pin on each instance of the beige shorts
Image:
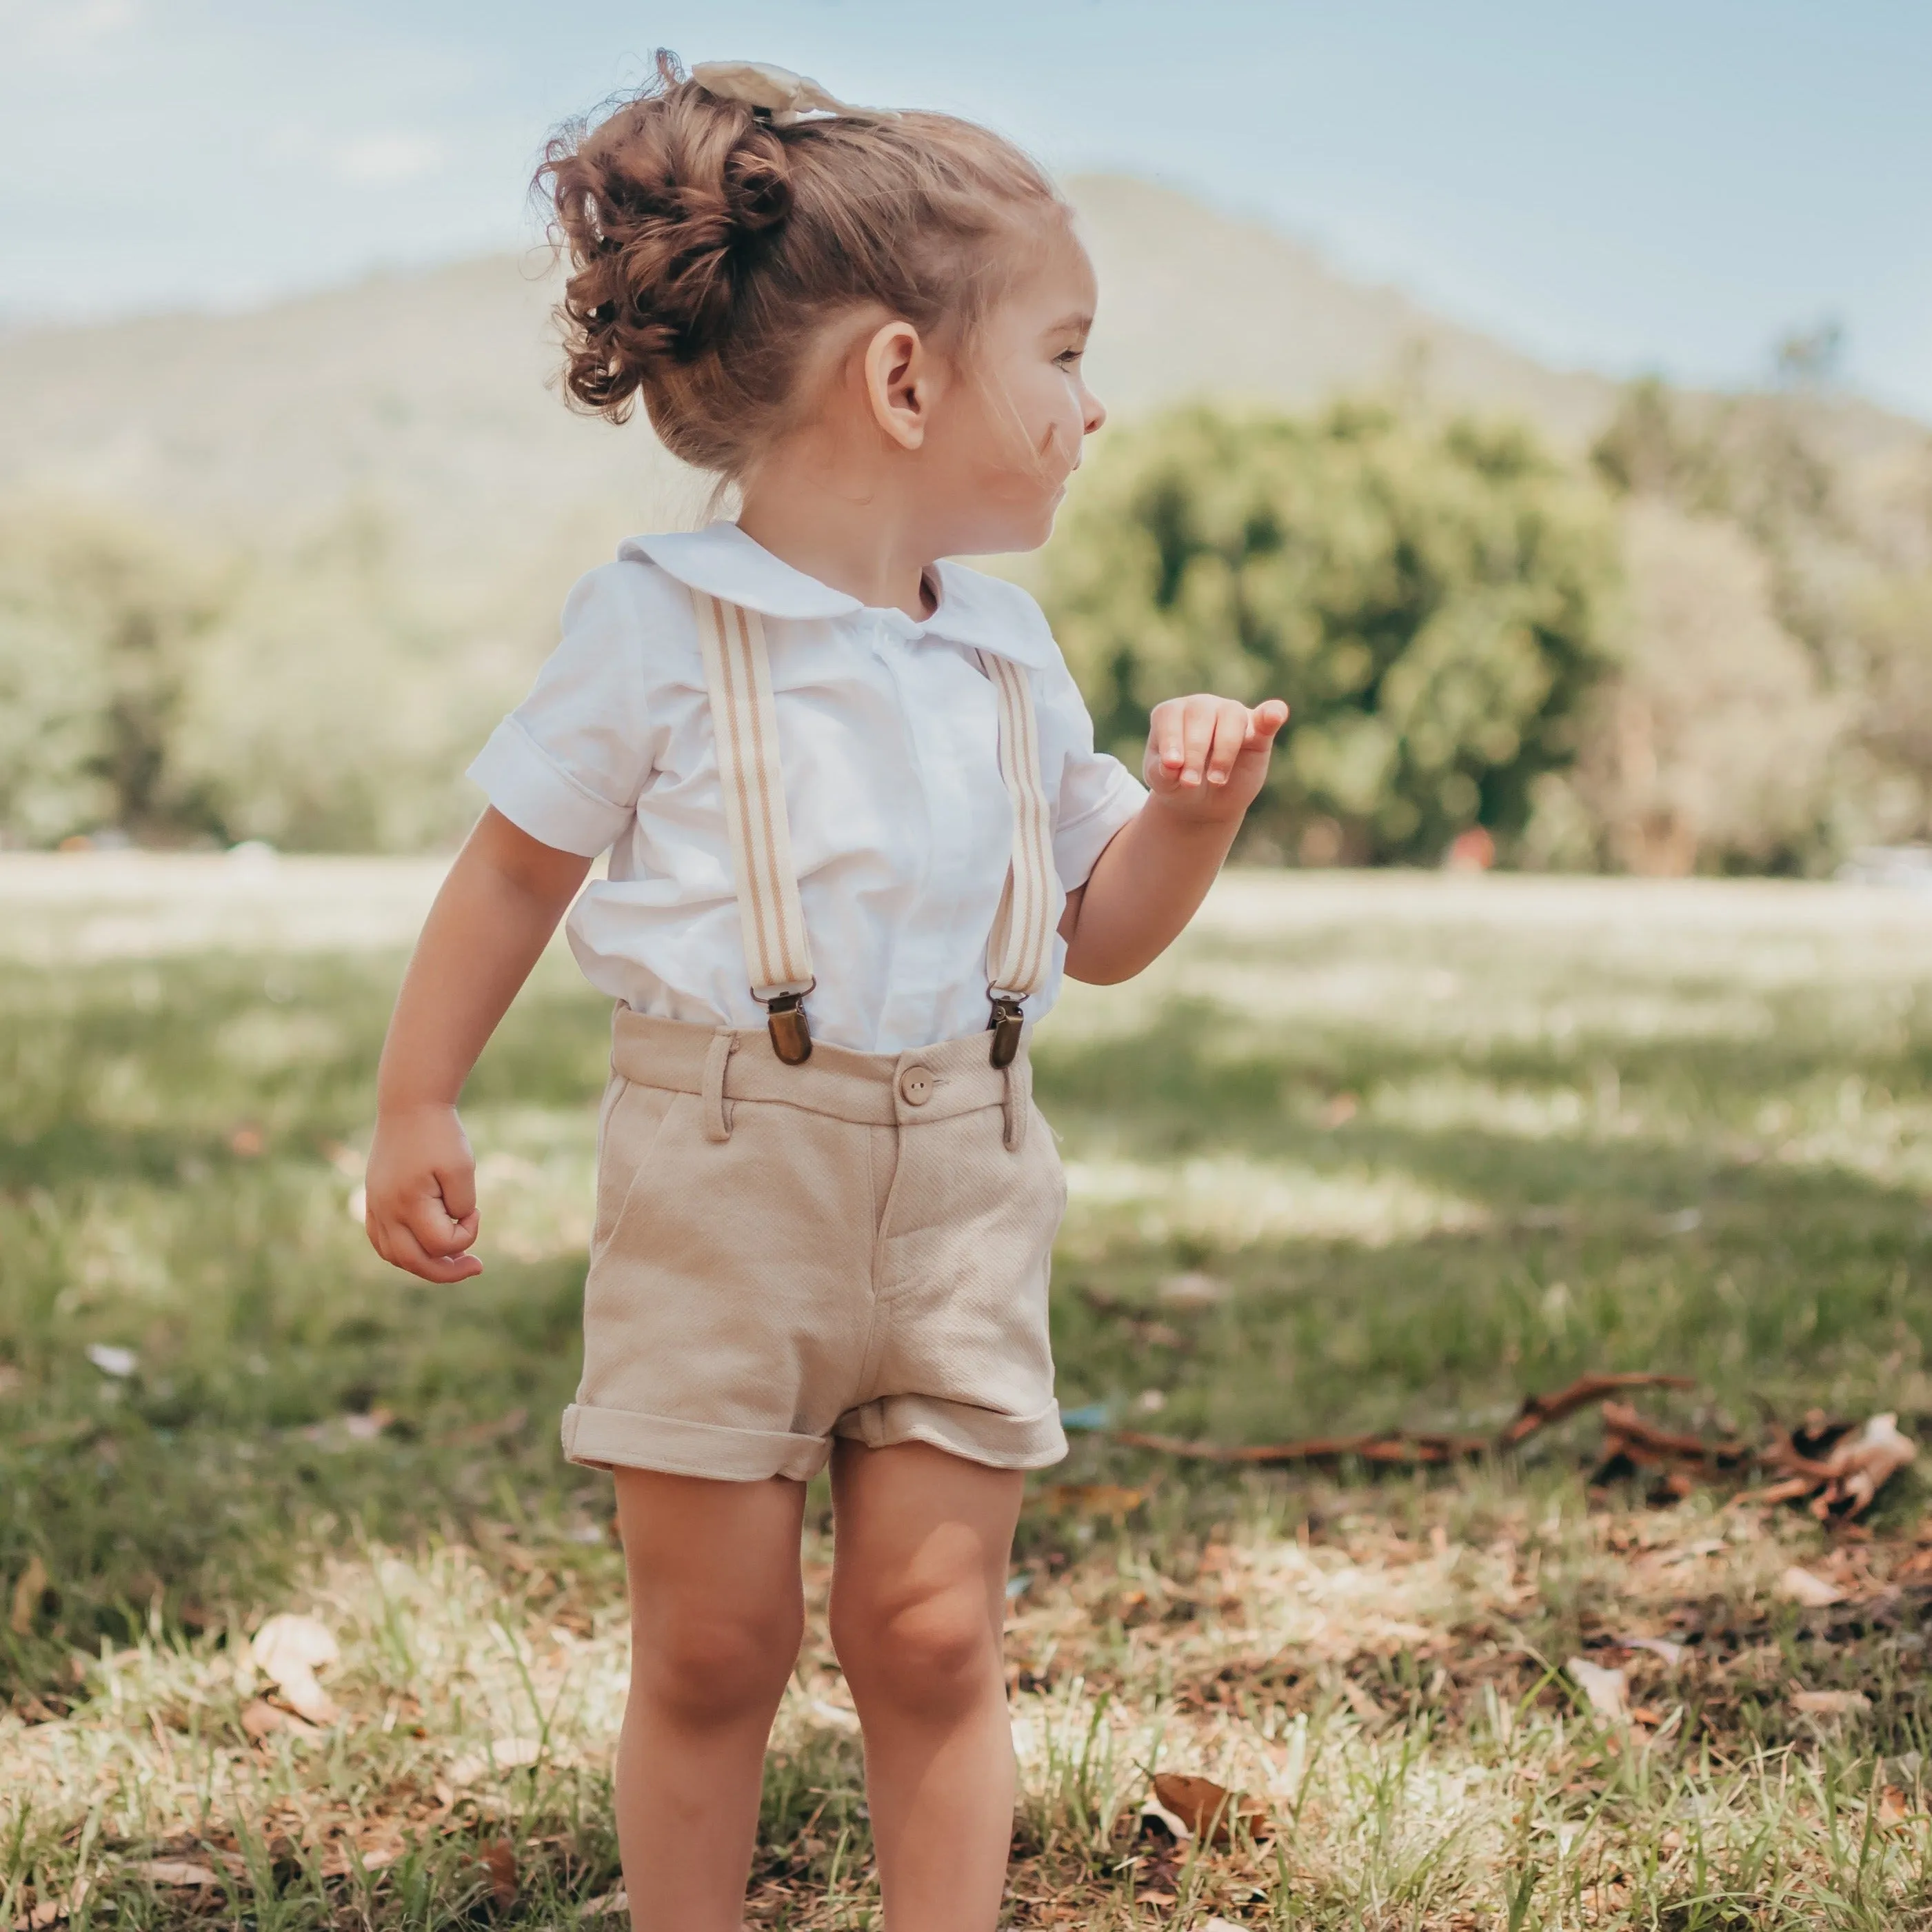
(858, 1246)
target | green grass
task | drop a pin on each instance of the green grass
(1438, 1144)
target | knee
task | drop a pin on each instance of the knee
(934, 1653)
(706, 1665)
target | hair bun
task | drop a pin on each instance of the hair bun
(664, 206)
(725, 188)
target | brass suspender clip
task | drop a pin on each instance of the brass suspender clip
(789, 1029)
(1005, 1026)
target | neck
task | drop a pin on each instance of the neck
(853, 533)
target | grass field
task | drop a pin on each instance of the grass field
(1364, 1153)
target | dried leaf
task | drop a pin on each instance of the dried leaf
(261, 1719)
(1830, 1703)
(836, 1715)
(499, 1856)
(288, 1649)
(291, 1644)
(1209, 1810)
(1841, 1472)
(502, 1754)
(1608, 1690)
(1813, 1592)
(606, 1905)
(1861, 1469)
(1894, 1808)
(27, 1590)
(52, 1911)
(175, 1871)
(1092, 1498)
(1673, 1654)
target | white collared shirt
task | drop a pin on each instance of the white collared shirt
(888, 733)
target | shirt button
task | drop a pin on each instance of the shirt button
(916, 1086)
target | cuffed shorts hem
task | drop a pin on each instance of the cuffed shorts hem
(616, 1438)
(983, 1435)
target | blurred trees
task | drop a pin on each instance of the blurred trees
(99, 619)
(1708, 647)
(1430, 599)
(159, 693)
(1778, 643)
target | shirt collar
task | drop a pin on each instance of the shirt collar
(975, 610)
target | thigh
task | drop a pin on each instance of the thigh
(730, 1549)
(914, 1523)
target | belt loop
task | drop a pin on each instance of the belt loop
(717, 1110)
(1017, 1075)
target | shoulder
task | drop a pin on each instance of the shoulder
(632, 586)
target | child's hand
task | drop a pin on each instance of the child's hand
(1207, 756)
(421, 1194)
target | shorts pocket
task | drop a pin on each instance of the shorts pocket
(633, 1123)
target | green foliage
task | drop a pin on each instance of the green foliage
(99, 620)
(302, 696)
(1820, 647)
(1429, 600)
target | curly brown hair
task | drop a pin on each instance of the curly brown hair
(709, 245)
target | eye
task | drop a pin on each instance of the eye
(1067, 358)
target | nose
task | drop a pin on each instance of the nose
(1094, 415)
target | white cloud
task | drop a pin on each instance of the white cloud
(393, 157)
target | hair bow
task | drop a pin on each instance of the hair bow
(787, 97)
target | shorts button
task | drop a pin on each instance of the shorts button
(916, 1086)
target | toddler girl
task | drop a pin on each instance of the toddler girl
(857, 830)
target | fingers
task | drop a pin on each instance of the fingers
(1264, 721)
(458, 1182)
(423, 1236)
(1182, 733)
(397, 1245)
(1199, 740)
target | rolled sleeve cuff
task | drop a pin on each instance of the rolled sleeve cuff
(1078, 842)
(520, 780)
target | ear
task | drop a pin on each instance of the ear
(900, 380)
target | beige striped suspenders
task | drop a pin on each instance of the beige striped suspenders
(737, 676)
(1021, 946)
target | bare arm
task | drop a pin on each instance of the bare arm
(1206, 759)
(494, 916)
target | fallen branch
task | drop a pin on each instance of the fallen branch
(1839, 1467)
(1407, 1447)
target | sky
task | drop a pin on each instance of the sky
(1654, 184)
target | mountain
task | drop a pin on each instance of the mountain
(428, 398)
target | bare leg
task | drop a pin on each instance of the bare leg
(716, 1616)
(918, 1608)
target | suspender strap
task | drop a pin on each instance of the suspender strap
(737, 674)
(1022, 946)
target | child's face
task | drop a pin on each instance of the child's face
(1007, 432)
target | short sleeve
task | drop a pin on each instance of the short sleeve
(1097, 794)
(568, 765)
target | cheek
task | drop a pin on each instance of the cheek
(1045, 429)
